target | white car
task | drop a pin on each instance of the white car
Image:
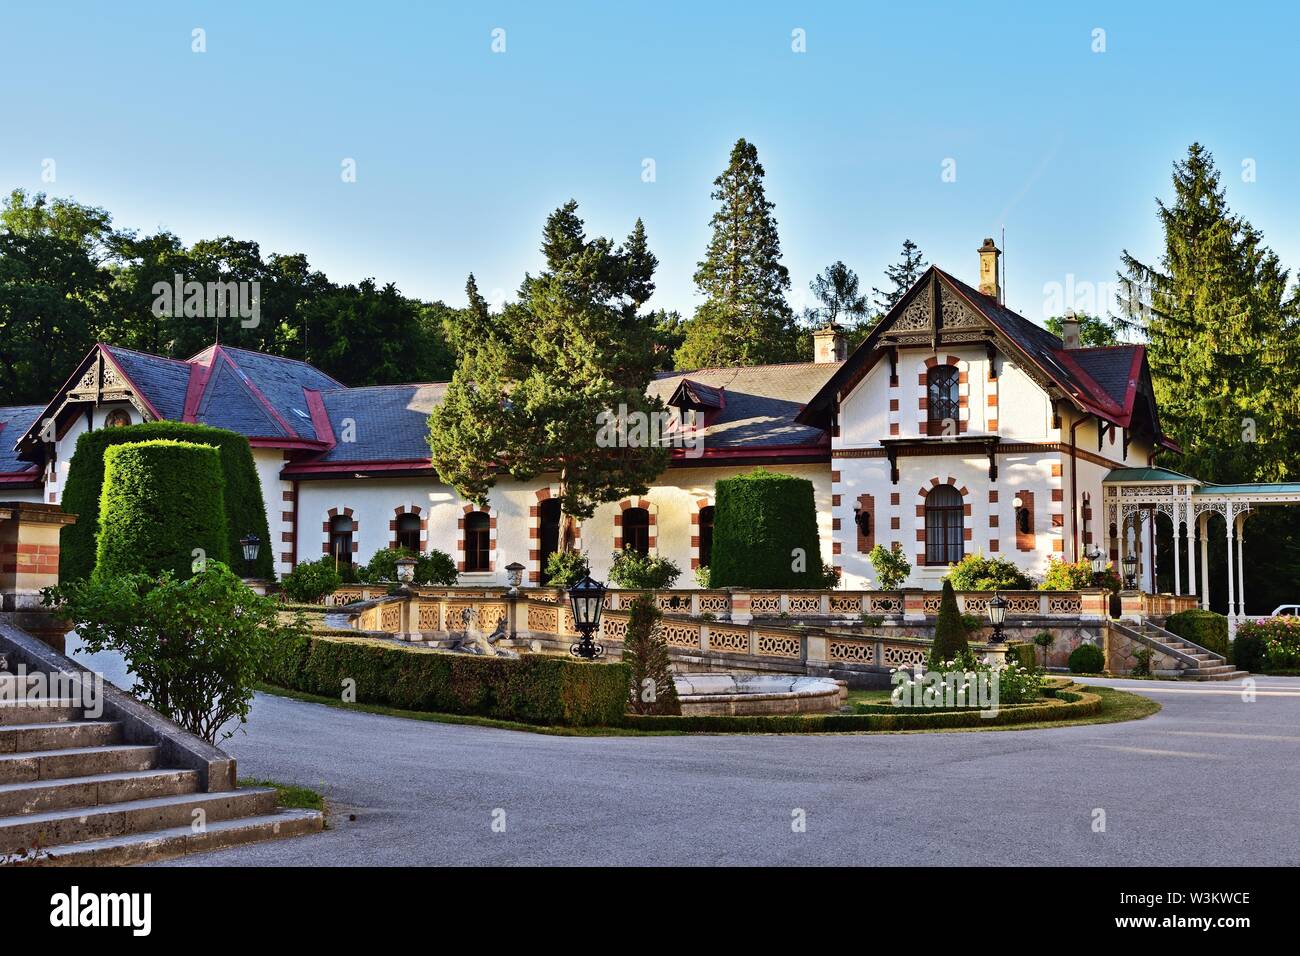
(1286, 610)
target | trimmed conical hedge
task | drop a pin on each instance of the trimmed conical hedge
(949, 631)
(163, 501)
(245, 511)
(764, 530)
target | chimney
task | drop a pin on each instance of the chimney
(829, 344)
(1070, 330)
(989, 270)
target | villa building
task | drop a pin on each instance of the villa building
(956, 426)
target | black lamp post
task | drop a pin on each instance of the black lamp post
(997, 615)
(1130, 571)
(251, 544)
(587, 598)
(1098, 564)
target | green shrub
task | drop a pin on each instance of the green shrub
(1141, 662)
(161, 509)
(975, 572)
(530, 689)
(566, 568)
(309, 581)
(1278, 641)
(1087, 659)
(949, 633)
(645, 652)
(765, 533)
(1248, 649)
(974, 623)
(244, 505)
(1205, 628)
(891, 566)
(195, 648)
(431, 567)
(1023, 654)
(632, 569)
(1077, 575)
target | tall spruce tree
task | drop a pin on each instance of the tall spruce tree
(1221, 329)
(745, 319)
(544, 387)
(900, 277)
(645, 651)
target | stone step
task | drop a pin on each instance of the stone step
(14, 712)
(75, 762)
(40, 796)
(178, 841)
(28, 833)
(59, 735)
(1219, 673)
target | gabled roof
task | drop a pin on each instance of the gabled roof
(1104, 381)
(389, 423)
(161, 381)
(691, 394)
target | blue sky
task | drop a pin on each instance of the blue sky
(461, 152)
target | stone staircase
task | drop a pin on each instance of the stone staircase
(74, 793)
(1194, 662)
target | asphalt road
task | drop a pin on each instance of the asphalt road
(1210, 780)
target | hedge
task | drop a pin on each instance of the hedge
(760, 519)
(245, 510)
(530, 689)
(1205, 628)
(162, 501)
(1087, 659)
(1065, 705)
(1024, 654)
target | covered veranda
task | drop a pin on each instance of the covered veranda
(1135, 496)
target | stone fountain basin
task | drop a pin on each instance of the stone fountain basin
(746, 694)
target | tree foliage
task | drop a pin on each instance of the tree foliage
(765, 533)
(745, 319)
(900, 277)
(69, 278)
(1222, 330)
(537, 386)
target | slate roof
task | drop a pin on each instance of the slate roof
(228, 403)
(761, 403)
(392, 422)
(281, 382)
(162, 381)
(15, 420)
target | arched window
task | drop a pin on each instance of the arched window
(636, 530)
(941, 402)
(341, 531)
(548, 517)
(408, 532)
(478, 541)
(943, 526)
(706, 535)
(117, 418)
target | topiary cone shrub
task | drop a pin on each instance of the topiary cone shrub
(645, 651)
(245, 511)
(765, 533)
(162, 502)
(949, 631)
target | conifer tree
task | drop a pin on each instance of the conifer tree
(949, 631)
(645, 651)
(745, 319)
(1222, 332)
(537, 388)
(901, 276)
